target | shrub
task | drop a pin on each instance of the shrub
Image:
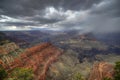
(3, 73)
(117, 71)
(77, 76)
(22, 74)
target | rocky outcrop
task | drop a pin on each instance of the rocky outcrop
(9, 47)
(39, 58)
(101, 70)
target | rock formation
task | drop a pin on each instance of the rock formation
(101, 70)
(9, 47)
(39, 58)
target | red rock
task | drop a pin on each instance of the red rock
(101, 70)
(39, 58)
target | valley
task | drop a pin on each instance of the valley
(58, 57)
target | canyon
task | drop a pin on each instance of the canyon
(59, 58)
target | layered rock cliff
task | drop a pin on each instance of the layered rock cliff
(9, 47)
(101, 70)
(39, 58)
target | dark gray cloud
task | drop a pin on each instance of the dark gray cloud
(30, 7)
(85, 15)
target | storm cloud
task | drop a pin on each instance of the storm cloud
(84, 15)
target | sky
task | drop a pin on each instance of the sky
(60, 15)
